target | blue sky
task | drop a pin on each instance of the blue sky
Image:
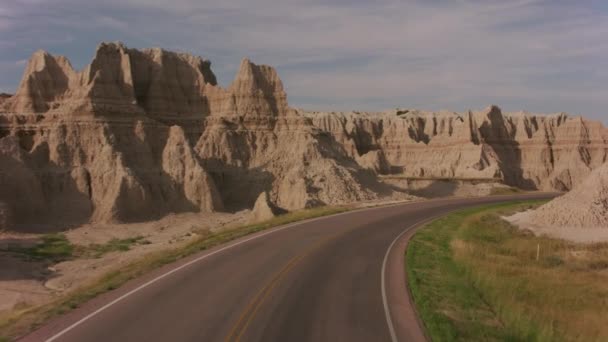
(541, 56)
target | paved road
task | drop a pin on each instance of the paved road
(319, 280)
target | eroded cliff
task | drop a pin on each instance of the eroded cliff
(530, 151)
(138, 134)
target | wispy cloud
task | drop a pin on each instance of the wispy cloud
(541, 55)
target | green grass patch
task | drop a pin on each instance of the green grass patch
(114, 245)
(474, 277)
(53, 247)
(21, 321)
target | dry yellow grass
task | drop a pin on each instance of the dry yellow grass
(499, 290)
(565, 290)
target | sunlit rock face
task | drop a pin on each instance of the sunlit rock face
(531, 151)
(138, 134)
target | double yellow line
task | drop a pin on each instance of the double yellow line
(253, 307)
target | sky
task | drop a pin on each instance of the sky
(534, 55)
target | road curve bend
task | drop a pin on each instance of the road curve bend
(335, 278)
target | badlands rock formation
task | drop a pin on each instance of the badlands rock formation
(138, 134)
(581, 214)
(253, 142)
(548, 152)
(262, 209)
(79, 146)
(585, 206)
(141, 133)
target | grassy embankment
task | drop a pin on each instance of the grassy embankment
(56, 247)
(474, 277)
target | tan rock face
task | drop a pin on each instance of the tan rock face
(262, 209)
(20, 190)
(549, 152)
(70, 172)
(581, 215)
(297, 165)
(257, 90)
(133, 136)
(119, 80)
(45, 82)
(141, 133)
(254, 143)
(182, 166)
(586, 206)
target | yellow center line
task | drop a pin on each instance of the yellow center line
(249, 310)
(252, 308)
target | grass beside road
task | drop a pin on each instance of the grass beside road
(24, 320)
(474, 277)
(54, 248)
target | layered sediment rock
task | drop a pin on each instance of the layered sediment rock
(549, 152)
(141, 133)
(81, 146)
(71, 172)
(254, 143)
(138, 134)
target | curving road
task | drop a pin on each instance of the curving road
(337, 278)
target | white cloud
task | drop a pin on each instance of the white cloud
(109, 22)
(528, 53)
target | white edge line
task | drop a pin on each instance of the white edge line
(164, 275)
(139, 288)
(387, 312)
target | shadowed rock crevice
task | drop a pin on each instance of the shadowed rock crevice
(499, 134)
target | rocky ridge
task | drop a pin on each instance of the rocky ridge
(262, 209)
(530, 151)
(138, 134)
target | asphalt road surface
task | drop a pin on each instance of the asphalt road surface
(337, 278)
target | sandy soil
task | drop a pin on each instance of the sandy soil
(580, 215)
(575, 234)
(26, 283)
